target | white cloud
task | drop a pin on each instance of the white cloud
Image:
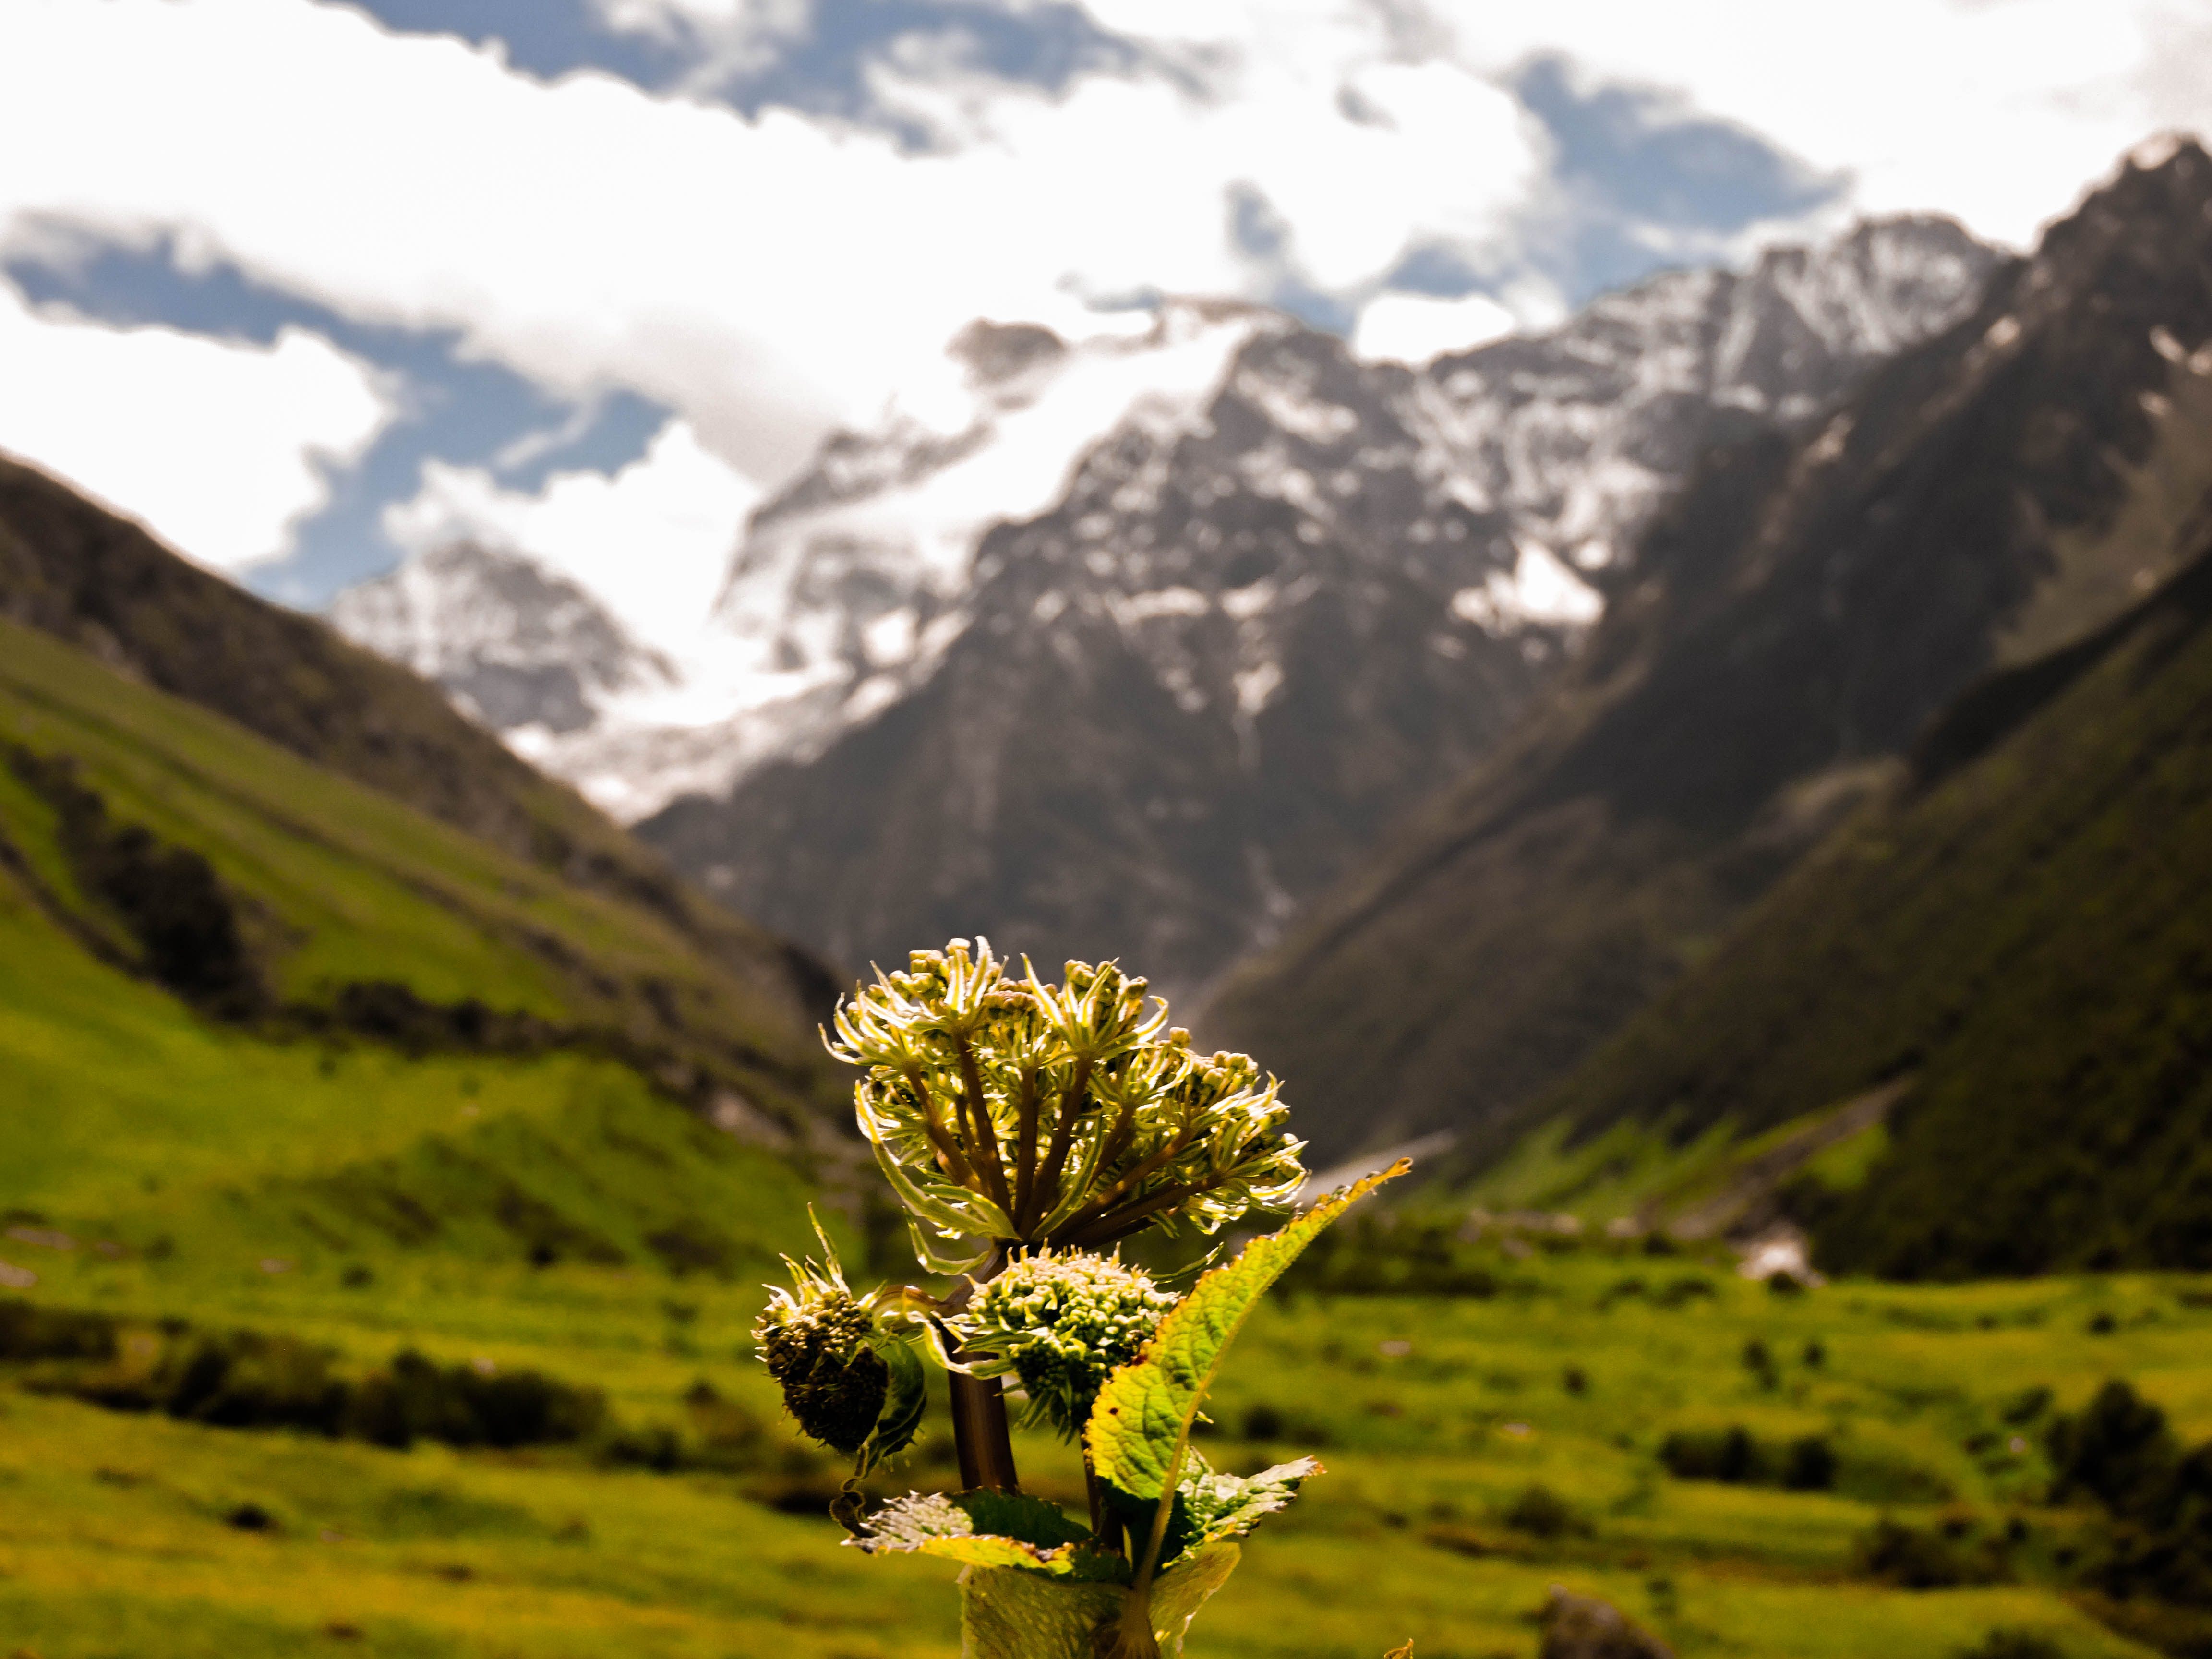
(652, 542)
(767, 278)
(1414, 327)
(214, 445)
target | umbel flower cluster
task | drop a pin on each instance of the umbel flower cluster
(1027, 1129)
(1009, 1113)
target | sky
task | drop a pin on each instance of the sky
(306, 285)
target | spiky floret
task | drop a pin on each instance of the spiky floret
(1061, 1324)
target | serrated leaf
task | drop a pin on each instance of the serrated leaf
(1209, 1507)
(1018, 1515)
(1037, 1537)
(1231, 1506)
(1140, 1428)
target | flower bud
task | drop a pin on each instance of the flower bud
(1061, 1324)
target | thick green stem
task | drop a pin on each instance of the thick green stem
(980, 1434)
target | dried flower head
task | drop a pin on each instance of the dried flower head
(1013, 1113)
(847, 1373)
(1062, 1324)
(817, 1342)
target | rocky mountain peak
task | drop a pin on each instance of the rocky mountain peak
(1259, 618)
(513, 644)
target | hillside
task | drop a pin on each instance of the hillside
(222, 961)
(73, 570)
(253, 1006)
(2015, 934)
(1785, 630)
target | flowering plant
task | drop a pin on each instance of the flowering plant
(1027, 1127)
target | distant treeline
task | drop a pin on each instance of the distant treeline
(251, 1379)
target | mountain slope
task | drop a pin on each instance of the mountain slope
(1809, 603)
(1256, 627)
(245, 1001)
(2014, 937)
(72, 570)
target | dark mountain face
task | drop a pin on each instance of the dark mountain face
(1180, 704)
(2013, 942)
(99, 583)
(1184, 693)
(1794, 617)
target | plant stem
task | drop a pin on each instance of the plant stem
(980, 1433)
(1105, 1530)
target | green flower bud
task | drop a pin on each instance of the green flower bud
(1061, 1324)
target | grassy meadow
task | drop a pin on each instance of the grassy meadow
(1479, 1449)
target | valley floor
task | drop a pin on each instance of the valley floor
(1480, 1450)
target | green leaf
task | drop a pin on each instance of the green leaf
(1017, 1515)
(1209, 1507)
(904, 1401)
(1026, 1615)
(1140, 1430)
(1023, 1532)
(1231, 1506)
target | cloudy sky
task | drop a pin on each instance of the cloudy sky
(302, 284)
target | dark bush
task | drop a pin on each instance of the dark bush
(2013, 1645)
(244, 1380)
(1729, 1455)
(166, 897)
(253, 1380)
(1542, 1513)
(1687, 1288)
(1263, 1422)
(1392, 1255)
(30, 1332)
(656, 1447)
(1809, 1465)
(1916, 1559)
(2026, 1405)
(416, 1399)
(1758, 1360)
(2118, 1449)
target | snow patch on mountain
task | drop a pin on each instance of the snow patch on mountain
(526, 652)
(1540, 591)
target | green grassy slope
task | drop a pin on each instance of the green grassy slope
(79, 574)
(2018, 933)
(332, 885)
(565, 1121)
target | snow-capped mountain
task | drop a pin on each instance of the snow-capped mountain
(1260, 595)
(850, 581)
(1255, 626)
(519, 650)
(1579, 433)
